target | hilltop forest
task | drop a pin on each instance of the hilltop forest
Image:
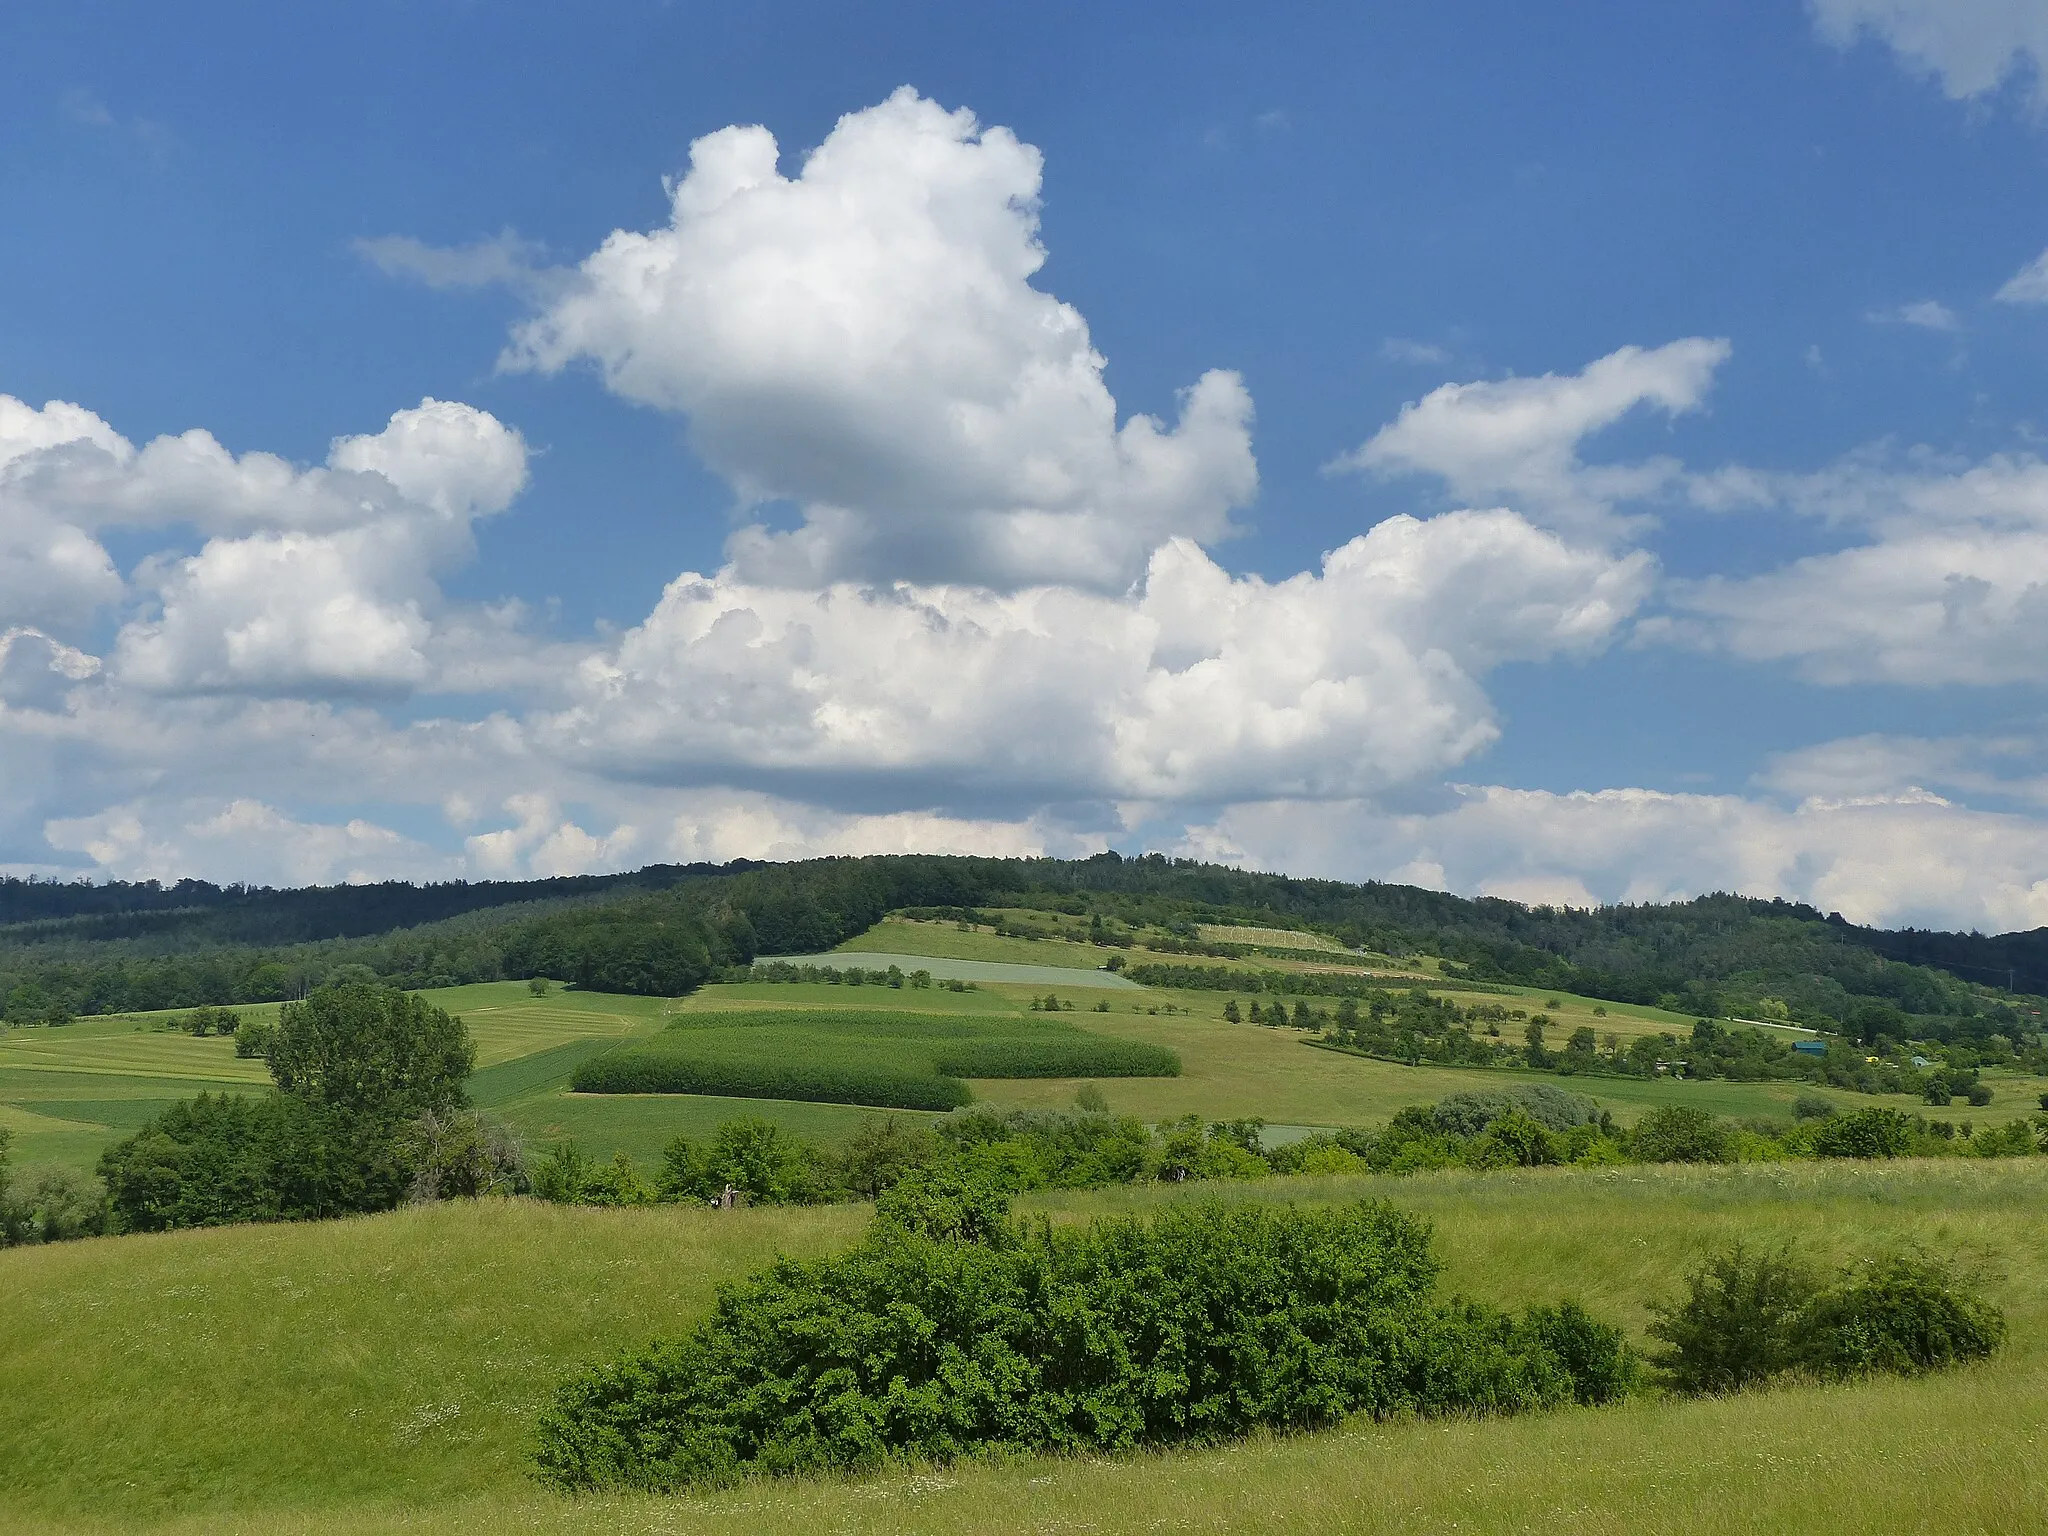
(74, 949)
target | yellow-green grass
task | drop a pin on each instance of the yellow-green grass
(1279, 938)
(900, 936)
(383, 1374)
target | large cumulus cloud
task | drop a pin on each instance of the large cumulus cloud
(862, 338)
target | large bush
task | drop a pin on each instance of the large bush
(1902, 1314)
(1748, 1317)
(949, 1332)
(1680, 1133)
(1471, 1112)
(1866, 1133)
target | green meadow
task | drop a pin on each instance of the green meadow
(383, 1374)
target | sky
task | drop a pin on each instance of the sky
(1578, 454)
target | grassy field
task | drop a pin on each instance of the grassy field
(67, 1093)
(382, 1374)
(900, 936)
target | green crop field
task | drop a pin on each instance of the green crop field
(862, 1056)
(383, 1373)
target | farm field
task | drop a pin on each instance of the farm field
(383, 1373)
(949, 941)
(950, 968)
(67, 1093)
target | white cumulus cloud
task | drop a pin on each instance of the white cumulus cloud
(1517, 440)
(863, 339)
(1949, 583)
(1198, 685)
(309, 580)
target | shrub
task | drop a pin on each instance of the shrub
(566, 1175)
(1738, 1323)
(1597, 1357)
(1470, 1113)
(1035, 1149)
(225, 1158)
(462, 1155)
(1900, 1314)
(1515, 1140)
(1811, 1106)
(948, 1332)
(1680, 1133)
(750, 1156)
(1871, 1132)
(253, 1038)
(1749, 1317)
(878, 1155)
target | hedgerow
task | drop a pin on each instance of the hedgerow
(950, 1331)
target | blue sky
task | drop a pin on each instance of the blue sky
(1665, 385)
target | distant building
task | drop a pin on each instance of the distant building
(1810, 1047)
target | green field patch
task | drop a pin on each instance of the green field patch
(122, 1115)
(728, 996)
(900, 1060)
(945, 969)
(894, 937)
(524, 1076)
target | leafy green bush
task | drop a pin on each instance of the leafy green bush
(1738, 1324)
(754, 1158)
(1871, 1132)
(1470, 1113)
(1748, 1317)
(950, 1332)
(1680, 1133)
(220, 1159)
(1902, 1314)
(1811, 1106)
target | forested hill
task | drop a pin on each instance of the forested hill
(665, 929)
(205, 913)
